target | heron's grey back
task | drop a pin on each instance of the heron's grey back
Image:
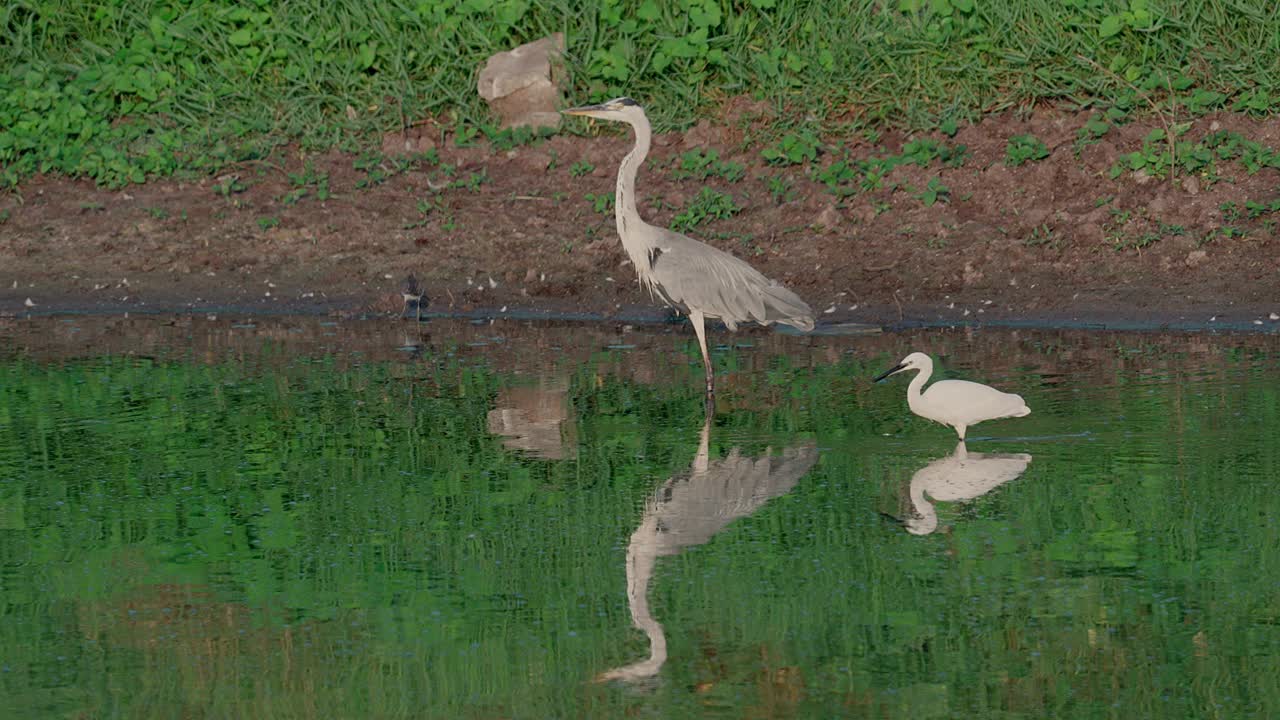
(691, 508)
(696, 276)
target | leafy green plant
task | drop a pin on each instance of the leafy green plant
(709, 205)
(795, 148)
(933, 192)
(266, 223)
(1158, 158)
(1022, 149)
(581, 168)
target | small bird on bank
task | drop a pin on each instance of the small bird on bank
(411, 293)
(702, 281)
(958, 403)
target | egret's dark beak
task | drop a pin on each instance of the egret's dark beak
(893, 519)
(890, 371)
(584, 110)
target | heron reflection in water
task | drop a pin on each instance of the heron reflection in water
(960, 476)
(688, 510)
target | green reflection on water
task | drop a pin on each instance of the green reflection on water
(434, 537)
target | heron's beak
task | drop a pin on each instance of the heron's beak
(896, 368)
(585, 111)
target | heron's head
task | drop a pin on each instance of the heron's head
(914, 361)
(622, 109)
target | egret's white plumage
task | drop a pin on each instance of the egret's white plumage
(958, 403)
(962, 475)
(703, 281)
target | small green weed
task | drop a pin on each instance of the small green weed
(1093, 130)
(709, 205)
(581, 168)
(848, 176)
(158, 213)
(229, 185)
(601, 203)
(511, 138)
(472, 181)
(934, 192)
(378, 169)
(307, 182)
(702, 165)
(780, 189)
(1023, 149)
(266, 223)
(1043, 236)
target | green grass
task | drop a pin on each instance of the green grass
(119, 92)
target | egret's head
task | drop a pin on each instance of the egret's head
(914, 361)
(622, 109)
(921, 524)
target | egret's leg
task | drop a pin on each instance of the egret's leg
(699, 327)
(960, 430)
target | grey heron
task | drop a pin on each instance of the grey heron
(688, 510)
(958, 403)
(691, 276)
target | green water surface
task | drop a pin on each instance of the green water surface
(227, 523)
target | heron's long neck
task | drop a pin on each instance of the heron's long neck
(641, 555)
(625, 212)
(917, 385)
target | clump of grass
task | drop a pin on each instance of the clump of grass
(703, 165)
(849, 176)
(1022, 149)
(709, 205)
(122, 91)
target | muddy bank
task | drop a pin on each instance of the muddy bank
(963, 236)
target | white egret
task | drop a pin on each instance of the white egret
(958, 403)
(962, 475)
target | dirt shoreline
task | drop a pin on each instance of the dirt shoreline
(520, 229)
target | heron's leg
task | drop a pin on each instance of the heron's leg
(699, 327)
(418, 310)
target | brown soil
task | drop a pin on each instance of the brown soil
(1036, 242)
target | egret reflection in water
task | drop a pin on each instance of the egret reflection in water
(689, 509)
(960, 476)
